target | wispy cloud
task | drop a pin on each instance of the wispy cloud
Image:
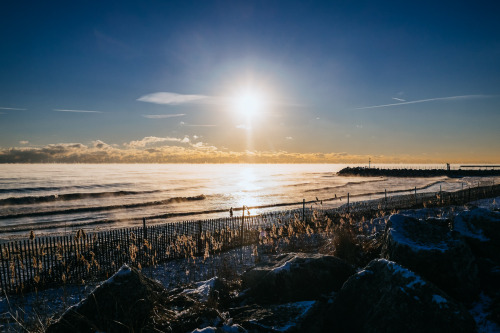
(24, 142)
(162, 116)
(5, 108)
(173, 98)
(77, 111)
(399, 99)
(425, 100)
(182, 123)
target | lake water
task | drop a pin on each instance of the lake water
(66, 197)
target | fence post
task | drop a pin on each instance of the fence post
(303, 210)
(200, 247)
(242, 223)
(415, 195)
(145, 231)
(440, 195)
(4, 276)
(348, 202)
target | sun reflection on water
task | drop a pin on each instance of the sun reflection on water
(248, 188)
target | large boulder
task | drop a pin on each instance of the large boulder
(296, 277)
(433, 251)
(386, 297)
(124, 301)
(481, 229)
(131, 302)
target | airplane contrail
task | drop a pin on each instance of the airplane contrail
(423, 101)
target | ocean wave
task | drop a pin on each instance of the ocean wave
(61, 188)
(51, 225)
(345, 185)
(104, 208)
(68, 196)
(78, 223)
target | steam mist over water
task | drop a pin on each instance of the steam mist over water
(66, 197)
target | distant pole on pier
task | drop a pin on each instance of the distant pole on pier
(415, 195)
(369, 163)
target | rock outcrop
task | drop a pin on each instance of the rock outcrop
(434, 252)
(296, 277)
(385, 297)
(481, 229)
(130, 302)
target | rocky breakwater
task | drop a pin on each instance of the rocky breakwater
(375, 172)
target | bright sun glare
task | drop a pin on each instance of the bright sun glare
(249, 102)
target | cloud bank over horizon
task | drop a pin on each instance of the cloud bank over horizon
(186, 150)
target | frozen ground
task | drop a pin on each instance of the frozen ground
(33, 308)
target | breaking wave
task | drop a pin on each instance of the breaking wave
(69, 196)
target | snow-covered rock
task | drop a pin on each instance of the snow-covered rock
(296, 277)
(481, 229)
(434, 252)
(124, 300)
(131, 302)
(386, 297)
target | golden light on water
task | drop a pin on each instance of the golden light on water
(248, 187)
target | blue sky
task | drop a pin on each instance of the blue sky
(338, 81)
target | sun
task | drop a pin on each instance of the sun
(249, 102)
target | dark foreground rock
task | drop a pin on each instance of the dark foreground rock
(434, 252)
(296, 277)
(481, 230)
(385, 297)
(130, 302)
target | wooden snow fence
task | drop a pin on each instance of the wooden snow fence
(42, 262)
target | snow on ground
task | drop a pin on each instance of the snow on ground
(490, 203)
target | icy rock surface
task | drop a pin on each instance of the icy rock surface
(386, 297)
(481, 229)
(131, 302)
(434, 252)
(296, 277)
